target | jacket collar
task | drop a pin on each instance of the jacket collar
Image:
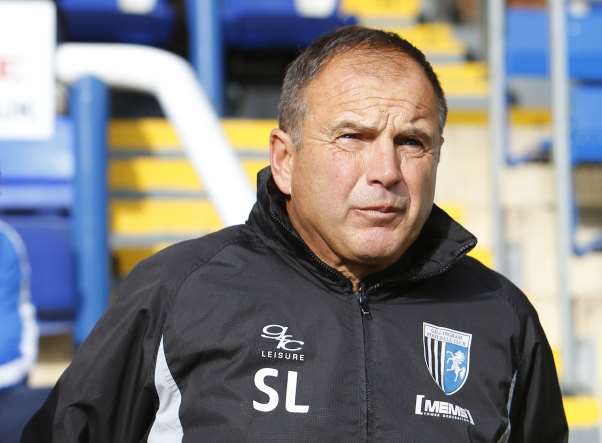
(441, 243)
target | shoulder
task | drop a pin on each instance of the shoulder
(172, 265)
(472, 276)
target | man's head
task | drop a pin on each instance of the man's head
(308, 65)
(356, 153)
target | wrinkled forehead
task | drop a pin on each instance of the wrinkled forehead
(360, 82)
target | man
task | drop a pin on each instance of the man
(344, 310)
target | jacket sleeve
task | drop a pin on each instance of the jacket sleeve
(107, 393)
(536, 409)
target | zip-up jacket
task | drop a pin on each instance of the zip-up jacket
(244, 335)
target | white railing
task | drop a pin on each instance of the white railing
(171, 79)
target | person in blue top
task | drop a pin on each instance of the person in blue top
(18, 329)
(18, 336)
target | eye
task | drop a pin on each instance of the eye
(351, 141)
(409, 141)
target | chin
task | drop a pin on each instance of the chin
(378, 255)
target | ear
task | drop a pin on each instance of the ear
(282, 156)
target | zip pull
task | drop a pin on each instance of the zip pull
(362, 298)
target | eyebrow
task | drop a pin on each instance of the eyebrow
(351, 124)
(412, 131)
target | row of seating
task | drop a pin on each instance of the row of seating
(246, 23)
(36, 200)
(530, 57)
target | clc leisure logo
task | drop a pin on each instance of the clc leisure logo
(286, 348)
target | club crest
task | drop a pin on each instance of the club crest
(447, 356)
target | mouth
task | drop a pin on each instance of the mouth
(380, 212)
(382, 209)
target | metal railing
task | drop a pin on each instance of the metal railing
(172, 80)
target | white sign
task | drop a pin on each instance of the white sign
(27, 44)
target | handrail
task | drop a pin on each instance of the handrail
(171, 79)
(563, 177)
(498, 128)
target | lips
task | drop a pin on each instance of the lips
(385, 209)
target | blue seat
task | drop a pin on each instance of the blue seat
(48, 240)
(104, 21)
(257, 24)
(38, 174)
(528, 39)
(36, 200)
(586, 125)
(527, 54)
(586, 129)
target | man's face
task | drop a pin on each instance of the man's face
(363, 180)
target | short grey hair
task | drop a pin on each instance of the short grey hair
(309, 63)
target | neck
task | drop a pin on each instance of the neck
(353, 271)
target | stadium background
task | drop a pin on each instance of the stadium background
(113, 153)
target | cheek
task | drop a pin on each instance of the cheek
(321, 183)
(420, 181)
(337, 174)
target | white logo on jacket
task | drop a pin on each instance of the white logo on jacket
(285, 341)
(286, 347)
(442, 409)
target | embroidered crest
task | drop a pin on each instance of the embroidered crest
(447, 356)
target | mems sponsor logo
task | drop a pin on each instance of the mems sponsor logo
(442, 409)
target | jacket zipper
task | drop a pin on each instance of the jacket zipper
(365, 315)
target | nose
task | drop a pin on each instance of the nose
(384, 164)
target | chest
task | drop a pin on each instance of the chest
(318, 369)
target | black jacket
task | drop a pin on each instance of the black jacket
(245, 336)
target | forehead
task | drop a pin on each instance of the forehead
(362, 83)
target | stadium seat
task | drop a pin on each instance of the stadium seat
(528, 56)
(38, 174)
(258, 24)
(437, 40)
(586, 148)
(406, 11)
(586, 126)
(113, 21)
(47, 238)
(36, 199)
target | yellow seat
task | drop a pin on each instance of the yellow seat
(139, 174)
(464, 79)
(406, 10)
(144, 174)
(482, 254)
(158, 217)
(582, 411)
(434, 39)
(128, 257)
(156, 135)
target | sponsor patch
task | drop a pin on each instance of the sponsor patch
(442, 409)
